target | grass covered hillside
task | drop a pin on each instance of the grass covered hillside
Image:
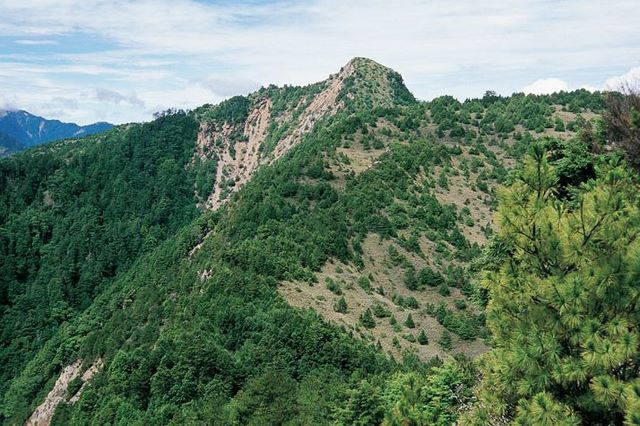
(327, 254)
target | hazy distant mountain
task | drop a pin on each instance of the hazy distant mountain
(20, 130)
(9, 145)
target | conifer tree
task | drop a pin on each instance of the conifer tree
(409, 322)
(341, 306)
(445, 340)
(563, 306)
(366, 319)
(422, 338)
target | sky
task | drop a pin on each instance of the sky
(121, 60)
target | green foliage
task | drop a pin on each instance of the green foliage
(366, 319)
(267, 399)
(414, 399)
(411, 244)
(572, 161)
(74, 386)
(364, 283)
(410, 279)
(429, 277)
(406, 302)
(341, 306)
(232, 111)
(365, 405)
(97, 239)
(422, 338)
(563, 306)
(333, 286)
(444, 290)
(401, 95)
(445, 340)
(75, 215)
(443, 182)
(465, 324)
(409, 322)
(396, 258)
(380, 311)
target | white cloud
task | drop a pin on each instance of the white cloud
(8, 103)
(36, 42)
(67, 103)
(630, 79)
(227, 86)
(179, 52)
(546, 86)
(115, 97)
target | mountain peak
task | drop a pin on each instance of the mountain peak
(362, 62)
(371, 84)
(244, 133)
(364, 68)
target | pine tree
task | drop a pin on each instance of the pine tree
(410, 279)
(366, 319)
(422, 338)
(563, 306)
(445, 340)
(409, 322)
(341, 306)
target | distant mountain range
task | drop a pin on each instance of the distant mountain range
(20, 130)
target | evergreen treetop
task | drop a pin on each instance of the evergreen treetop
(563, 306)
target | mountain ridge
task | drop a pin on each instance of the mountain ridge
(360, 81)
(30, 130)
(333, 273)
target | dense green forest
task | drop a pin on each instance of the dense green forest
(77, 214)
(106, 256)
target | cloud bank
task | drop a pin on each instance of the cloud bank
(182, 53)
(545, 86)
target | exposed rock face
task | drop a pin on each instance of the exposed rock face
(44, 412)
(239, 159)
(236, 160)
(86, 376)
(324, 104)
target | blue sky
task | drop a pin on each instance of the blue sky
(120, 61)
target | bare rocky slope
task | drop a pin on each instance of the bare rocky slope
(240, 147)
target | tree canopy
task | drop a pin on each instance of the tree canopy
(563, 308)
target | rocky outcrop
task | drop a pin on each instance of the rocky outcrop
(323, 104)
(44, 412)
(239, 157)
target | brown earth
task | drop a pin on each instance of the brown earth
(390, 279)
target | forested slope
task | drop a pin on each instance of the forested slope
(359, 201)
(76, 214)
